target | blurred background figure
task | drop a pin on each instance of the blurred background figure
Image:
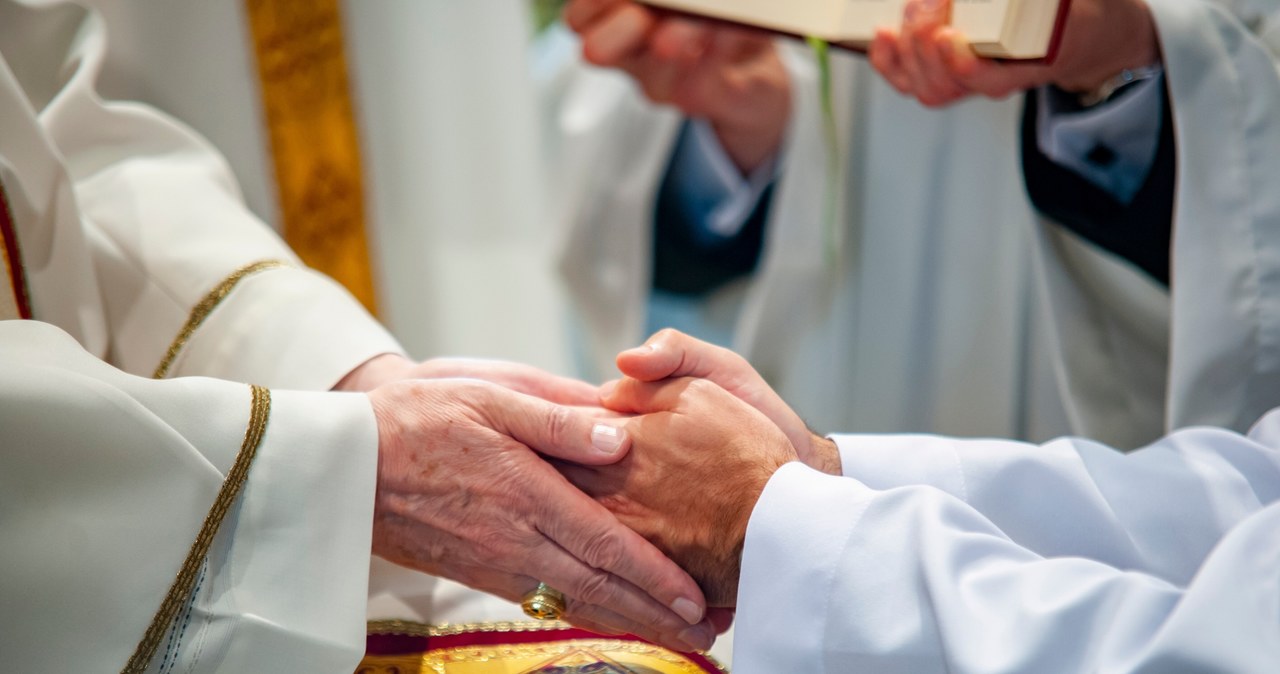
(896, 295)
(1137, 300)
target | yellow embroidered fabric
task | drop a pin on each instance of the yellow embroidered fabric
(302, 66)
(520, 648)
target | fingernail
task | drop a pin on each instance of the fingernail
(688, 610)
(697, 637)
(606, 438)
(643, 349)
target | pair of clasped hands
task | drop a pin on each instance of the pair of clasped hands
(631, 498)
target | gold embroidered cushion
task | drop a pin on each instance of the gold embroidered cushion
(518, 648)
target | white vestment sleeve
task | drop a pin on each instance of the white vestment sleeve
(105, 480)
(986, 556)
(167, 224)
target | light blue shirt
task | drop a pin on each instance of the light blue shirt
(1128, 126)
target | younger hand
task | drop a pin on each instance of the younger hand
(699, 461)
(671, 354)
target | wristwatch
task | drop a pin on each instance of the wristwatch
(1114, 85)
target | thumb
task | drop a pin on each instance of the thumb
(925, 15)
(671, 353)
(558, 431)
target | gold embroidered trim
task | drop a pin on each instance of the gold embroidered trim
(206, 307)
(180, 591)
(410, 628)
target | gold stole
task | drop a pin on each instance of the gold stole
(15, 301)
(314, 144)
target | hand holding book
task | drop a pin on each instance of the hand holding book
(932, 61)
(730, 76)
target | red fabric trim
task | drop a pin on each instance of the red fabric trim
(17, 275)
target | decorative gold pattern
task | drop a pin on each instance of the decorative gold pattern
(409, 628)
(545, 654)
(206, 307)
(180, 592)
(299, 46)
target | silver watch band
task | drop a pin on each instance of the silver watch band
(1113, 85)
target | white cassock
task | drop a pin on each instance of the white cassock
(940, 317)
(443, 218)
(943, 555)
(125, 222)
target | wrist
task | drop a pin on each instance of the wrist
(1132, 31)
(750, 146)
(824, 455)
(375, 372)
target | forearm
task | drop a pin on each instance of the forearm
(840, 576)
(1104, 505)
(144, 461)
(193, 283)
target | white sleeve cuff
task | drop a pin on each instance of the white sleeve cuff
(301, 537)
(782, 604)
(889, 461)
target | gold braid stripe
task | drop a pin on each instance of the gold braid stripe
(180, 591)
(206, 307)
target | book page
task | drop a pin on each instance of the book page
(981, 21)
(800, 17)
(1030, 28)
(861, 18)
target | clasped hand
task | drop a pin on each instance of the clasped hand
(477, 480)
(465, 492)
(707, 436)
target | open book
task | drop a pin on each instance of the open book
(1011, 29)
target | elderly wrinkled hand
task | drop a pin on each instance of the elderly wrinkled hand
(700, 458)
(732, 77)
(462, 494)
(518, 377)
(931, 61)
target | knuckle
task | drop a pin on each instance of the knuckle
(494, 543)
(559, 426)
(595, 588)
(667, 334)
(703, 388)
(603, 550)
